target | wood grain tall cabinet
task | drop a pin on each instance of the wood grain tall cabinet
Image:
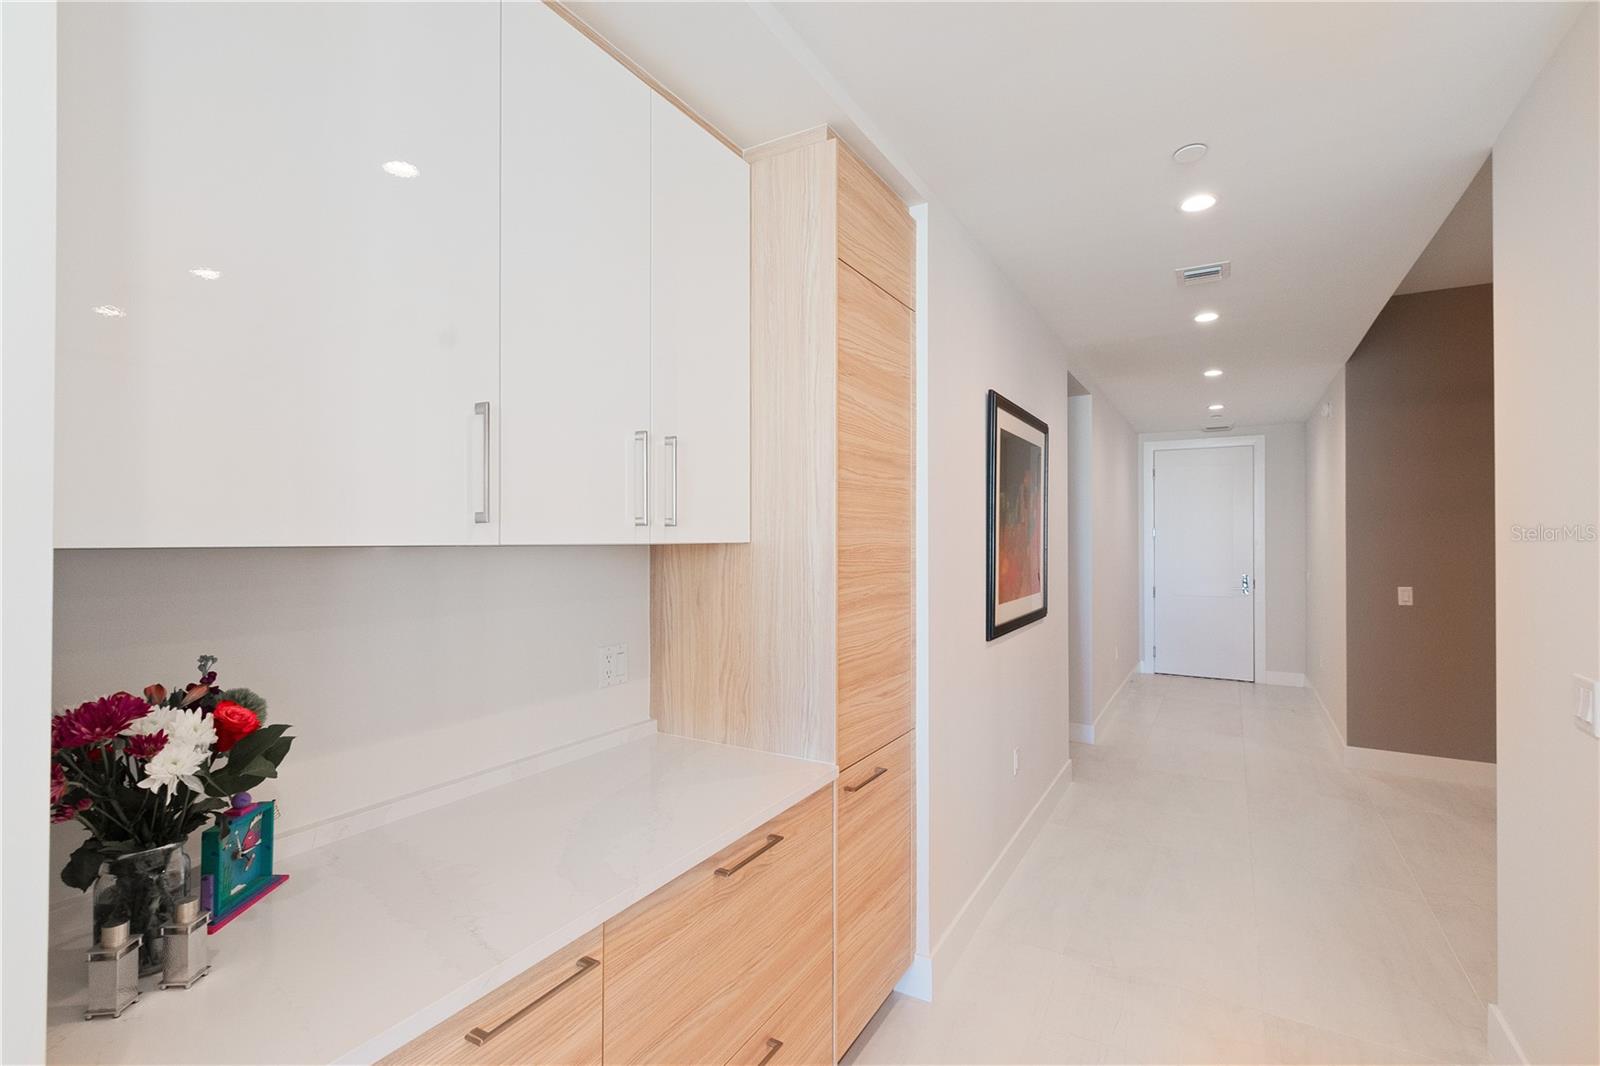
(803, 640)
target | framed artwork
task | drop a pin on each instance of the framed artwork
(1018, 503)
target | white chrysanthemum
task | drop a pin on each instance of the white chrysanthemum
(185, 727)
(173, 764)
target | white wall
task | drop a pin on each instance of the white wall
(1547, 471)
(984, 699)
(1080, 562)
(1105, 556)
(1116, 551)
(1325, 554)
(27, 405)
(1286, 541)
(400, 668)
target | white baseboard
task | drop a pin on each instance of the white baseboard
(1431, 767)
(1504, 1047)
(1283, 677)
(947, 950)
(1084, 732)
(917, 981)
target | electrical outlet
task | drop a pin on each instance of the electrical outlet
(1016, 761)
(613, 664)
(1405, 595)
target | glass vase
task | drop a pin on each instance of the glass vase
(143, 888)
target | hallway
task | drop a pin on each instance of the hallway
(1216, 887)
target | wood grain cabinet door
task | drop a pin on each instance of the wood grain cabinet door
(693, 970)
(876, 545)
(801, 1032)
(877, 882)
(550, 1016)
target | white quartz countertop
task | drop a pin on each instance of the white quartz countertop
(378, 937)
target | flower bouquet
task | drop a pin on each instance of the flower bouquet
(141, 774)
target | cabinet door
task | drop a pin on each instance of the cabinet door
(277, 290)
(699, 331)
(800, 1033)
(693, 970)
(877, 882)
(877, 528)
(574, 288)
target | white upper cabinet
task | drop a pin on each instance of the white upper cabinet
(277, 275)
(390, 273)
(574, 288)
(699, 332)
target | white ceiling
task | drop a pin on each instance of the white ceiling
(1462, 252)
(1340, 136)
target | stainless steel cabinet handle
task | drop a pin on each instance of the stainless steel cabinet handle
(773, 1046)
(641, 438)
(480, 1036)
(876, 773)
(773, 840)
(671, 518)
(482, 516)
(1244, 584)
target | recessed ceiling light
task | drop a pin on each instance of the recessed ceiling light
(109, 311)
(1206, 316)
(1198, 202)
(1189, 153)
(401, 169)
(207, 273)
(1214, 407)
(1213, 373)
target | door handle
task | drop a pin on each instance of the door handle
(480, 1036)
(481, 517)
(671, 518)
(1244, 584)
(641, 441)
(773, 840)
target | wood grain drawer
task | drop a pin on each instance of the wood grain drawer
(550, 1016)
(801, 1032)
(693, 970)
(877, 882)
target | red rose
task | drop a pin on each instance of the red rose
(234, 722)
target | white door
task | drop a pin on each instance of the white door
(265, 337)
(1203, 516)
(699, 332)
(574, 288)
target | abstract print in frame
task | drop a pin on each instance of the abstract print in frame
(1019, 493)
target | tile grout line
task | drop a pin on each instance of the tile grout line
(1449, 944)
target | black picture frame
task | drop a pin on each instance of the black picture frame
(999, 622)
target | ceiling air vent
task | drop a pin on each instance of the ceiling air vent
(1216, 428)
(1204, 274)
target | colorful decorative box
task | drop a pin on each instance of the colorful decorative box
(236, 862)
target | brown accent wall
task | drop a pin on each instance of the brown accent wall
(1419, 440)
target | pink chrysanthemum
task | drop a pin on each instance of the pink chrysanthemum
(96, 720)
(60, 809)
(145, 745)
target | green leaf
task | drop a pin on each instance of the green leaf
(248, 698)
(83, 867)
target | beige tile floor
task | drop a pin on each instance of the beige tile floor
(1216, 887)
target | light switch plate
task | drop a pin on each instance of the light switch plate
(1405, 595)
(1586, 697)
(613, 665)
